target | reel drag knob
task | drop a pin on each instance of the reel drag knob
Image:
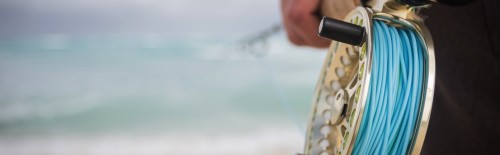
(341, 31)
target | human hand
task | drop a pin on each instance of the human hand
(301, 22)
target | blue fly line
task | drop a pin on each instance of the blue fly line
(394, 96)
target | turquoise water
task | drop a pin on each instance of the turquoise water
(152, 95)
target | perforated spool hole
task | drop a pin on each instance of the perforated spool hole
(363, 52)
(361, 71)
(352, 117)
(340, 72)
(354, 82)
(335, 85)
(327, 114)
(343, 129)
(345, 60)
(325, 129)
(324, 143)
(330, 99)
(346, 136)
(339, 95)
(356, 94)
(350, 52)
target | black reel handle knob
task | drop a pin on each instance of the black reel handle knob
(341, 31)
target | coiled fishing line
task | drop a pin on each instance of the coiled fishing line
(394, 96)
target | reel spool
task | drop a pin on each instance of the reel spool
(343, 89)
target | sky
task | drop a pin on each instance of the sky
(172, 18)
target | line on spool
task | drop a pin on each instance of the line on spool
(393, 101)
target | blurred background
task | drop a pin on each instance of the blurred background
(177, 77)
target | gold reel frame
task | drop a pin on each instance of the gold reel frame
(342, 89)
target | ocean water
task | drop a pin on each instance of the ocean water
(62, 94)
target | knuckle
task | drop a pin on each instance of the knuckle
(296, 14)
(296, 41)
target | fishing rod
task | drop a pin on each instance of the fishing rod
(375, 91)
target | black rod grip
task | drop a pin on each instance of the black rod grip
(341, 31)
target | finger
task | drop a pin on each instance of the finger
(287, 13)
(301, 24)
(293, 36)
(309, 32)
(307, 29)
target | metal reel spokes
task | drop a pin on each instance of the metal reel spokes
(336, 105)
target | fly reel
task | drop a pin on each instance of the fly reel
(351, 114)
